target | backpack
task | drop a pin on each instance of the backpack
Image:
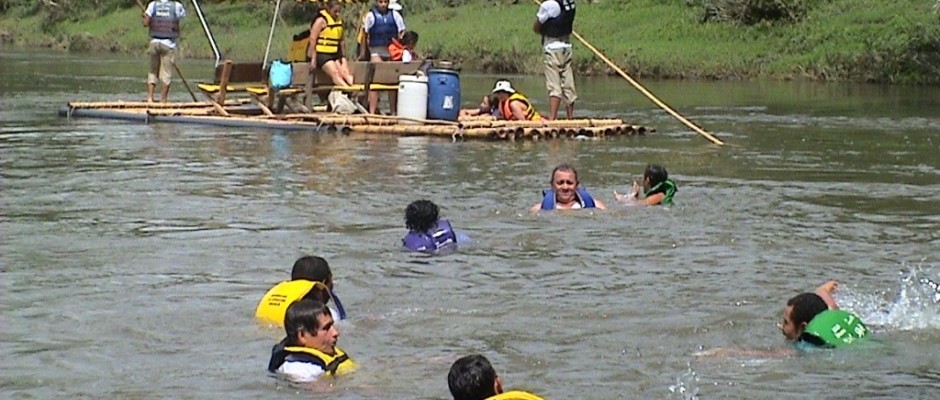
(280, 75)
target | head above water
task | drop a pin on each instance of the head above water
(314, 269)
(421, 215)
(654, 175)
(800, 310)
(308, 323)
(565, 183)
(473, 378)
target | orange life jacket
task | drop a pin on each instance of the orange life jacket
(396, 50)
(530, 113)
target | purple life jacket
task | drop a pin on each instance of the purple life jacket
(440, 236)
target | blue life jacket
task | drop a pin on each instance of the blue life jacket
(548, 200)
(440, 236)
(384, 28)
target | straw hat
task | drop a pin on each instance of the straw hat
(503, 86)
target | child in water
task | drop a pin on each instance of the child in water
(657, 188)
(427, 232)
(488, 106)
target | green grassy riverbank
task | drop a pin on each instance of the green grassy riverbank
(862, 40)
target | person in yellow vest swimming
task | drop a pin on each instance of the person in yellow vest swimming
(473, 378)
(326, 45)
(309, 351)
(514, 106)
(311, 278)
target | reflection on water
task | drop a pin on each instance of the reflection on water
(146, 248)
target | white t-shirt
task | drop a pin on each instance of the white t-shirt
(369, 21)
(406, 56)
(180, 12)
(549, 10)
(299, 371)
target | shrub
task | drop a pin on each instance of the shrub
(751, 12)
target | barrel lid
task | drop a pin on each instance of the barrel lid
(413, 78)
(442, 71)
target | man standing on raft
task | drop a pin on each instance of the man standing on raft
(555, 22)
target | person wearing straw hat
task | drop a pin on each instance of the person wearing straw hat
(162, 18)
(514, 106)
(555, 22)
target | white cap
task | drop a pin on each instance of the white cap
(393, 5)
(503, 86)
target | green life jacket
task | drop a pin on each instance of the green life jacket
(834, 328)
(666, 187)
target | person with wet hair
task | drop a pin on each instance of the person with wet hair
(657, 188)
(427, 232)
(815, 319)
(309, 349)
(311, 278)
(472, 377)
(566, 192)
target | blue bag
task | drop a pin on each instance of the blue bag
(280, 74)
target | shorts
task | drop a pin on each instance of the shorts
(162, 58)
(381, 51)
(559, 78)
(324, 58)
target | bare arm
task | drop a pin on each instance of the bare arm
(537, 27)
(315, 30)
(536, 208)
(825, 291)
(600, 204)
(518, 110)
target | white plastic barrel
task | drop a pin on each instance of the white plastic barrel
(412, 97)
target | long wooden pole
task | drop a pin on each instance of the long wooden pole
(643, 90)
(143, 9)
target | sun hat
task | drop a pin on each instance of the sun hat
(393, 5)
(503, 86)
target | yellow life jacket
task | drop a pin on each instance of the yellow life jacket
(274, 304)
(530, 113)
(329, 40)
(333, 365)
(515, 395)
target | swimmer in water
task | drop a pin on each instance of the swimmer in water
(309, 349)
(657, 188)
(427, 232)
(473, 378)
(566, 192)
(311, 278)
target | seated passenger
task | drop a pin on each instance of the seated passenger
(404, 49)
(326, 45)
(311, 278)
(473, 378)
(309, 350)
(427, 232)
(513, 106)
(566, 192)
(657, 187)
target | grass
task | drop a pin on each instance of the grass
(860, 40)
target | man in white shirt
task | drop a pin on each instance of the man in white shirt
(555, 22)
(162, 18)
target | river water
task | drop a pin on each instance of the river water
(133, 256)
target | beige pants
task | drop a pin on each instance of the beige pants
(161, 63)
(559, 79)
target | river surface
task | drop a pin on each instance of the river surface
(132, 256)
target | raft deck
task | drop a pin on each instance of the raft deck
(240, 113)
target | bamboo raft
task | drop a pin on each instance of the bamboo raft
(241, 113)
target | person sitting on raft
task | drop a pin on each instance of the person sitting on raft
(404, 49)
(427, 232)
(473, 378)
(566, 192)
(326, 45)
(657, 188)
(514, 106)
(309, 350)
(311, 278)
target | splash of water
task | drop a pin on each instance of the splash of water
(915, 306)
(686, 386)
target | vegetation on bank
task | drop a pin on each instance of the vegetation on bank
(857, 40)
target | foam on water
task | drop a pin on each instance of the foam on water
(914, 305)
